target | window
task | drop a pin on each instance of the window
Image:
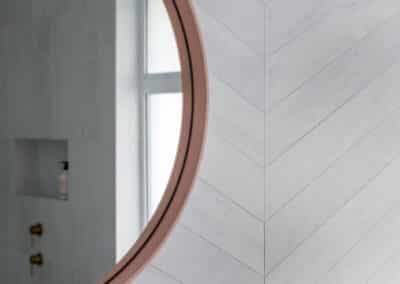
(161, 45)
(148, 114)
(162, 102)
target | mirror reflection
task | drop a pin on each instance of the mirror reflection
(90, 120)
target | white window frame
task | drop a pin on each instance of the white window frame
(151, 84)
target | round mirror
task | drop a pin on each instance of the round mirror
(102, 115)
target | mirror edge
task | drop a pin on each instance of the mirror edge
(195, 105)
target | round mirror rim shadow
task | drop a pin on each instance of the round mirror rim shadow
(194, 118)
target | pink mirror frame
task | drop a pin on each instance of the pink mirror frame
(194, 84)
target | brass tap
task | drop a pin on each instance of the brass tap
(36, 230)
(36, 259)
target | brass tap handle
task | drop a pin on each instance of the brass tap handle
(36, 230)
(36, 259)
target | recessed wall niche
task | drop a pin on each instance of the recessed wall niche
(39, 166)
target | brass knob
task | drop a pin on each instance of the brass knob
(36, 259)
(36, 230)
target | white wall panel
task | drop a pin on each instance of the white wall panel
(231, 60)
(291, 19)
(192, 259)
(294, 64)
(388, 272)
(245, 21)
(324, 94)
(155, 276)
(239, 123)
(371, 252)
(300, 166)
(332, 241)
(318, 202)
(332, 138)
(234, 174)
(226, 224)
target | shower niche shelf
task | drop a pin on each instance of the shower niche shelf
(38, 166)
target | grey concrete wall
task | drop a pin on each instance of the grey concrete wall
(58, 81)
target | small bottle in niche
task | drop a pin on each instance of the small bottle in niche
(63, 181)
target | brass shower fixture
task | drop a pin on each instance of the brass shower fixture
(36, 259)
(36, 230)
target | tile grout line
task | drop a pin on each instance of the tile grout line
(229, 29)
(238, 92)
(228, 198)
(267, 18)
(238, 39)
(224, 251)
(237, 148)
(325, 15)
(168, 275)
